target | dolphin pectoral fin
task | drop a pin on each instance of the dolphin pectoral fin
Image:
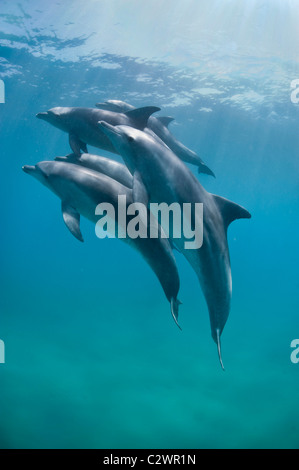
(75, 144)
(83, 147)
(72, 220)
(165, 120)
(219, 348)
(174, 306)
(140, 193)
(140, 115)
(230, 211)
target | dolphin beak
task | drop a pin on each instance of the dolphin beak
(29, 169)
(108, 129)
(42, 115)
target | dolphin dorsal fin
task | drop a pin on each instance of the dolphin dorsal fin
(230, 210)
(165, 120)
(140, 115)
(72, 220)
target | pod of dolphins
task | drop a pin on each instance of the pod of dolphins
(154, 171)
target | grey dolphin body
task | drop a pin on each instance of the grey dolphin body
(81, 124)
(81, 190)
(112, 168)
(160, 176)
(159, 126)
(115, 105)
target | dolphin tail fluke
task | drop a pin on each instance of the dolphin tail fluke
(206, 170)
(174, 306)
(219, 348)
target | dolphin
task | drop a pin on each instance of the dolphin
(112, 168)
(81, 190)
(116, 105)
(81, 124)
(159, 126)
(160, 176)
(116, 170)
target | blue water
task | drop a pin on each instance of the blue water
(93, 358)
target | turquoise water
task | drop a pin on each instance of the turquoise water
(93, 358)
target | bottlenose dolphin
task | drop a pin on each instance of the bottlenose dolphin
(81, 190)
(116, 170)
(112, 168)
(117, 106)
(159, 126)
(160, 176)
(81, 124)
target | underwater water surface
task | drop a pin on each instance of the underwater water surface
(93, 358)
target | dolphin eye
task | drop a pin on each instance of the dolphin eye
(130, 138)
